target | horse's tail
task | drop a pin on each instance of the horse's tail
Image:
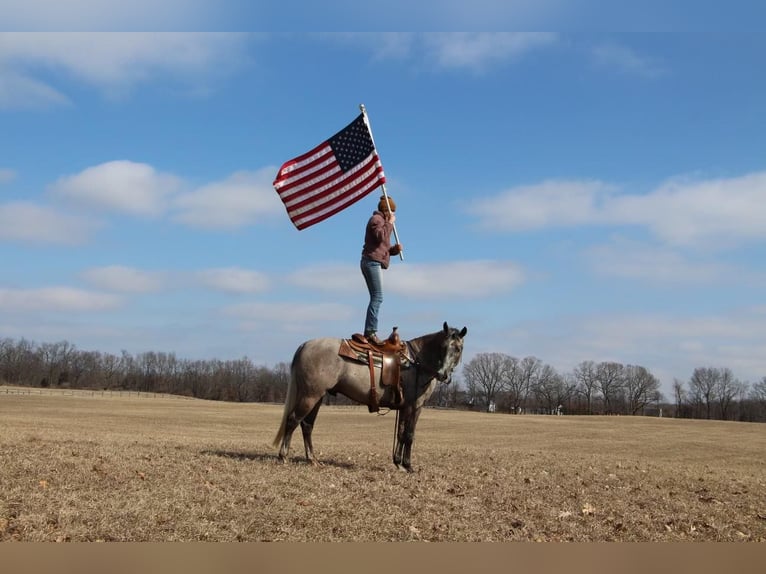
(290, 398)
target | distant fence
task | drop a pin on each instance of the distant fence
(87, 393)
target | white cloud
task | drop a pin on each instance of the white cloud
(529, 14)
(456, 279)
(384, 45)
(130, 280)
(691, 212)
(56, 299)
(551, 203)
(112, 62)
(242, 199)
(671, 346)
(679, 344)
(623, 58)
(632, 260)
(449, 49)
(121, 186)
(138, 189)
(7, 175)
(291, 313)
(20, 92)
(124, 279)
(453, 14)
(330, 278)
(104, 14)
(716, 212)
(28, 222)
(235, 280)
(475, 50)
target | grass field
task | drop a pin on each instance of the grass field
(100, 466)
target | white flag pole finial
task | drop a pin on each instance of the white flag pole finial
(383, 185)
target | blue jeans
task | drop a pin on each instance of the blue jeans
(372, 270)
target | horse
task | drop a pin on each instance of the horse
(317, 369)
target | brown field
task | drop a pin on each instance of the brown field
(82, 466)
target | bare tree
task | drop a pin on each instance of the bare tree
(161, 369)
(728, 389)
(85, 369)
(551, 389)
(641, 388)
(680, 395)
(758, 397)
(758, 392)
(587, 383)
(486, 373)
(703, 386)
(517, 385)
(239, 380)
(610, 380)
(109, 370)
(55, 359)
(19, 361)
(529, 369)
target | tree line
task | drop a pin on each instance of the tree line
(62, 365)
(490, 381)
(496, 381)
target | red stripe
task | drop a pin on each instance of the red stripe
(340, 202)
(281, 176)
(288, 192)
(329, 185)
(305, 173)
(341, 182)
(336, 209)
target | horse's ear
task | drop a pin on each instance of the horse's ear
(463, 332)
(446, 328)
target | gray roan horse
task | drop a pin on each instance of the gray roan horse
(317, 369)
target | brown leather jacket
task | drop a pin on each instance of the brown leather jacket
(377, 240)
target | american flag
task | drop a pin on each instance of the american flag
(337, 173)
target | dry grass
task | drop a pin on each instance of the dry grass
(115, 468)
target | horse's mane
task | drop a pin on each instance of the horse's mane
(431, 345)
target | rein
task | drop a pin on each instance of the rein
(396, 433)
(419, 367)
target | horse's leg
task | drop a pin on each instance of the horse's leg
(404, 416)
(409, 437)
(291, 423)
(304, 408)
(307, 425)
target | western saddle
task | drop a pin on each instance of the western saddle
(389, 356)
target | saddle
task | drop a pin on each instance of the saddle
(389, 357)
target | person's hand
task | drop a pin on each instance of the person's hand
(397, 249)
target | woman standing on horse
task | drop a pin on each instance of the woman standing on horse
(376, 255)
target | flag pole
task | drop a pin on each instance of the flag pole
(382, 185)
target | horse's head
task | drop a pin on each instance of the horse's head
(441, 352)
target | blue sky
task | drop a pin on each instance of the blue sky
(573, 196)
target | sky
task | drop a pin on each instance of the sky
(579, 195)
